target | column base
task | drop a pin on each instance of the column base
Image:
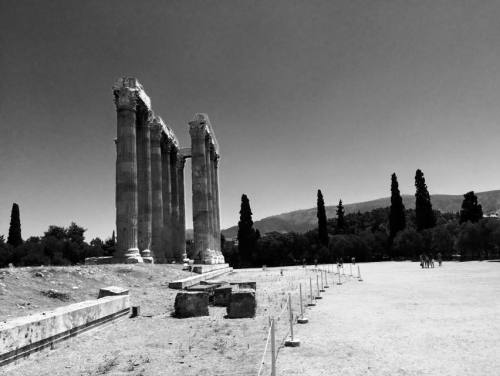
(131, 256)
(146, 257)
(212, 257)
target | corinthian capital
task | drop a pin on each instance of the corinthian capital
(125, 99)
(155, 129)
(127, 92)
(198, 127)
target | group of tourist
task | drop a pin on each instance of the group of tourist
(427, 261)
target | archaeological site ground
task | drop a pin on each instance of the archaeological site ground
(400, 319)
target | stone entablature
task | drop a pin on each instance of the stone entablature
(150, 207)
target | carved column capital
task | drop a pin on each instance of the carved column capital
(198, 127)
(155, 129)
(125, 99)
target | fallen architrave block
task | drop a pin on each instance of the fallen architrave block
(242, 304)
(181, 284)
(22, 336)
(112, 291)
(205, 268)
(245, 285)
(222, 295)
(191, 304)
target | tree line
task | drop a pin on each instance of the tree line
(388, 233)
(58, 245)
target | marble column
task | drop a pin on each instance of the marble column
(216, 206)
(156, 190)
(174, 200)
(126, 176)
(181, 234)
(198, 132)
(210, 196)
(144, 119)
(166, 149)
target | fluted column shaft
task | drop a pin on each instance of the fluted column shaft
(181, 234)
(126, 177)
(174, 200)
(156, 192)
(144, 182)
(210, 196)
(167, 253)
(216, 203)
(198, 134)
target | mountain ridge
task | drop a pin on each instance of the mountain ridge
(303, 220)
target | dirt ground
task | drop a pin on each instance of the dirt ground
(153, 343)
(401, 320)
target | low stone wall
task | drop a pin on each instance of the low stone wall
(24, 335)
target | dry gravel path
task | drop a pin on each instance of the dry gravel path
(403, 320)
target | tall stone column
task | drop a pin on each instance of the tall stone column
(156, 191)
(210, 196)
(166, 148)
(144, 119)
(198, 132)
(174, 200)
(181, 235)
(126, 176)
(217, 206)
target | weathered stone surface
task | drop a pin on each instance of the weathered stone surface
(112, 291)
(144, 227)
(129, 97)
(156, 189)
(242, 304)
(180, 252)
(222, 296)
(191, 304)
(204, 268)
(24, 335)
(99, 260)
(198, 278)
(246, 285)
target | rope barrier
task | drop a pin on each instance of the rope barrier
(265, 350)
(278, 335)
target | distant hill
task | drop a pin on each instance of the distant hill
(305, 219)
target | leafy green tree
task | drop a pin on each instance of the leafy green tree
(442, 241)
(470, 241)
(425, 217)
(247, 237)
(15, 238)
(397, 219)
(471, 210)
(341, 223)
(408, 244)
(321, 214)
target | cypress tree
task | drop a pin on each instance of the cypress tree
(340, 217)
(321, 214)
(397, 220)
(247, 239)
(471, 210)
(15, 238)
(425, 217)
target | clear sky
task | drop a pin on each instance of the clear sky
(302, 95)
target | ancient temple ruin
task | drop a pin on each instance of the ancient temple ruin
(150, 206)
